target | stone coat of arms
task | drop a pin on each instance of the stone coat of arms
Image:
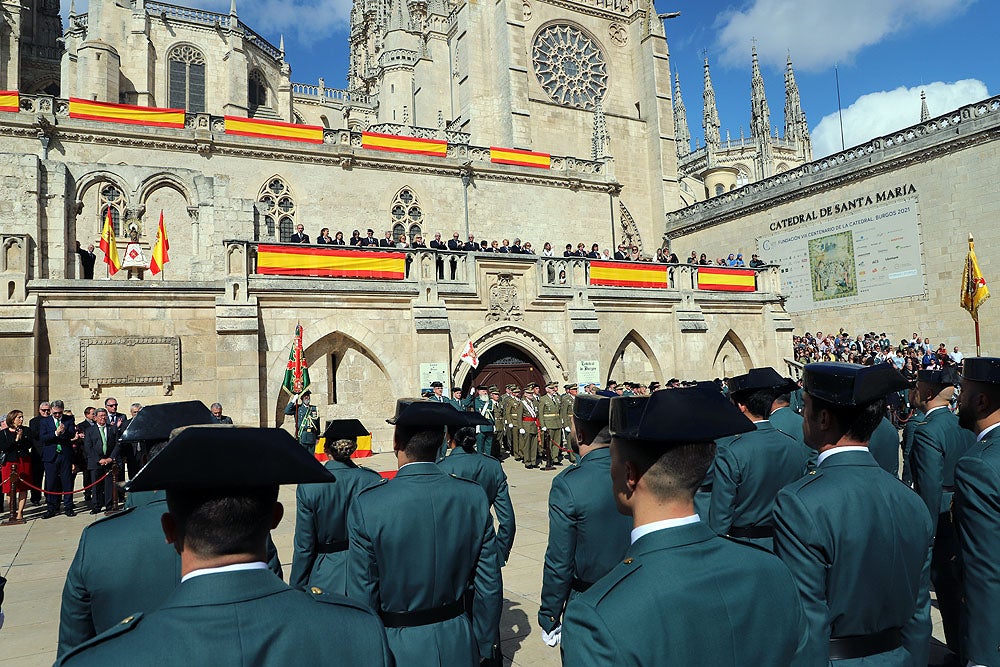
(503, 304)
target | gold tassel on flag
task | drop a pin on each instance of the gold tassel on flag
(974, 289)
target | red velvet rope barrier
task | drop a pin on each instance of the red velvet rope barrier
(64, 493)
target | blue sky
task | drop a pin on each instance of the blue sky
(886, 51)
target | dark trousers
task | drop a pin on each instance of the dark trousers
(37, 475)
(484, 442)
(944, 577)
(59, 477)
(103, 492)
(88, 477)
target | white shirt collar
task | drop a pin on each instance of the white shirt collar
(986, 430)
(648, 528)
(413, 463)
(837, 450)
(928, 413)
(237, 567)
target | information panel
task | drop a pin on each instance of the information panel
(870, 255)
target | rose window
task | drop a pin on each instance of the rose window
(570, 66)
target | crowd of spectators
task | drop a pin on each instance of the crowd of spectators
(623, 253)
(909, 356)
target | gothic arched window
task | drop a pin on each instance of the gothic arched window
(278, 209)
(256, 91)
(186, 79)
(405, 215)
(111, 198)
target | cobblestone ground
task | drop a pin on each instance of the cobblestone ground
(35, 556)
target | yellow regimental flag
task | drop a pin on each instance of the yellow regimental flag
(974, 289)
(108, 245)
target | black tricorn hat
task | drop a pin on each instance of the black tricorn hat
(592, 409)
(155, 422)
(687, 414)
(851, 384)
(430, 414)
(436, 384)
(760, 378)
(472, 419)
(982, 369)
(344, 429)
(231, 457)
(947, 375)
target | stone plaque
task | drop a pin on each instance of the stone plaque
(130, 360)
(588, 371)
(434, 372)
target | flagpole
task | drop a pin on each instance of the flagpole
(978, 350)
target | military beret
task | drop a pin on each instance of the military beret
(690, 414)
(155, 422)
(344, 429)
(850, 384)
(592, 409)
(947, 375)
(760, 378)
(977, 369)
(436, 384)
(205, 458)
(418, 412)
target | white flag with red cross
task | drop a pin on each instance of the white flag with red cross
(469, 355)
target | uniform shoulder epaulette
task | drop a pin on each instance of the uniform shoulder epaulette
(105, 519)
(377, 485)
(125, 625)
(805, 480)
(618, 573)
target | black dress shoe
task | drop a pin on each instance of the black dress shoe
(70, 512)
(48, 514)
(96, 510)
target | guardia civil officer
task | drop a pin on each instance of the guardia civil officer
(977, 511)
(789, 422)
(320, 556)
(587, 534)
(938, 443)
(856, 539)
(750, 468)
(416, 544)
(884, 445)
(122, 565)
(228, 607)
(306, 419)
(906, 442)
(682, 595)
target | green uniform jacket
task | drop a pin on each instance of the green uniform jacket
(858, 543)
(416, 544)
(308, 421)
(750, 470)
(587, 535)
(487, 472)
(789, 422)
(321, 523)
(938, 443)
(492, 406)
(247, 617)
(884, 446)
(122, 566)
(684, 596)
(907, 443)
(977, 522)
(566, 410)
(549, 412)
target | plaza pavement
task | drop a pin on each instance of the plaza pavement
(35, 557)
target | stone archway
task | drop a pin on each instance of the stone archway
(504, 364)
(519, 337)
(731, 357)
(634, 361)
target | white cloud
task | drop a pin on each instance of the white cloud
(883, 112)
(820, 33)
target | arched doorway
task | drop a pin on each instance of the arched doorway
(502, 365)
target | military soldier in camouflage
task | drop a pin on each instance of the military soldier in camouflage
(551, 424)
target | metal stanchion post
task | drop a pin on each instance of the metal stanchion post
(14, 480)
(114, 490)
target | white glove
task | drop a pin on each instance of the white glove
(521, 431)
(477, 429)
(553, 638)
(566, 428)
(544, 429)
(510, 426)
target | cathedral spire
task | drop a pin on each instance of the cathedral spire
(232, 8)
(796, 127)
(399, 16)
(925, 113)
(760, 115)
(600, 148)
(710, 118)
(682, 134)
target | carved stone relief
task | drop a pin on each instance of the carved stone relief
(130, 360)
(504, 302)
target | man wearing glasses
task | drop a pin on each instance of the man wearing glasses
(299, 236)
(37, 469)
(56, 434)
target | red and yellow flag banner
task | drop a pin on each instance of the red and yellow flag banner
(109, 246)
(398, 144)
(520, 158)
(721, 279)
(273, 129)
(161, 251)
(974, 289)
(628, 274)
(10, 101)
(296, 260)
(364, 449)
(125, 113)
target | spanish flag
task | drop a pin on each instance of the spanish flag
(272, 129)
(628, 274)
(719, 279)
(108, 245)
(520, 158)
(160, 251)
(295, 260)
(398, 144)
(125, 113)
(974, 289)
(10, 101)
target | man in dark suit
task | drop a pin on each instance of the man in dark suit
(621, 254)
(369, 241)
(217, 413)
(56, 435)
(387, 242)
(471, 245)
(37, 468)
(100, 447)
(87, 260)
(454, 243)
(299, 236)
